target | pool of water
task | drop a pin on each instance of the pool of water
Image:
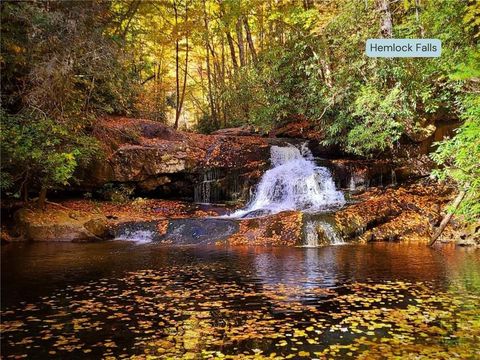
(120, 299)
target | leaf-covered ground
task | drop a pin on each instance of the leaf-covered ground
(216, 309)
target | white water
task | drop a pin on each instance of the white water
(312, 238)
(293, 183)
(138, 236)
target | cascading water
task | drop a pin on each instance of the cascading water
(318, 232)
(138, 236)
(207, 190)
(216, 185)
(294, 182)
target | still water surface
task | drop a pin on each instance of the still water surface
(120, 299)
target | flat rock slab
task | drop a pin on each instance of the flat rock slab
(187, 231)
(199, 231)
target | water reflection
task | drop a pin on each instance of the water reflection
(30, 270)
(119, 299)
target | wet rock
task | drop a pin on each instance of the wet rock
(98, 226)
(357, 218)
(198, 231)
(153, 183)
(299, 128)
(282, 229)
(188, 231)
(402, 214)
(154, 158)
(468, 234)
(409, 226)
(361, 174)
(236, 131)
(320, 230)
(141, 231)
(60, 225)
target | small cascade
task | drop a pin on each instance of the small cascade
(294, 182)
(217, 185)
(394, 177)
(208, 190)
(319, 232)
(352, 185)
(136, 235)
(140, 232)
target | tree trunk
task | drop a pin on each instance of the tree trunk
(209, 74)
(177, 79)
(386, 24)
(25, 192)
(326, 67)
(185, 72)
(130, 18)
(241, 47)
(232, 51)
(262, 29)
(42, 198)
(250, 40)
(447, 217)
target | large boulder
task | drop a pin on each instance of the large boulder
(236, 131)
(298, 127)
(282, 229)
(152, 157)
(397, 214)
(60, 225)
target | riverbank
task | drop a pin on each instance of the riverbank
(407, 213)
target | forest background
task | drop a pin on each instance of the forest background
(203, 65)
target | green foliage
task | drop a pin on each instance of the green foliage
(40, 152)
(459, 158)
(60, 70)
(363, 104)
(67, 64)
(378, 122)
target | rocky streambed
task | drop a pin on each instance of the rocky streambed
(403, 214)
(153, 183)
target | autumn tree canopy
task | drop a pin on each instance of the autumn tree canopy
(201, 65)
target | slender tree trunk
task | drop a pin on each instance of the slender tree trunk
(185, 72)
(25, 191)
(223, 82)
(249, 39)
(307, 4)
(231, 45)
(386, 24)
(325, 65)
(130, 18)
(241, 47)
(447, 217)
(230, 42)
(262, 28)
(417, 18)
(177, 75)
(222, 43)
(209, 74)
(42, 197)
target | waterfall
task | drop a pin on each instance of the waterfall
(208, 190)
(294, 182)
(217, 185)
(318, 232)
(394, 177)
